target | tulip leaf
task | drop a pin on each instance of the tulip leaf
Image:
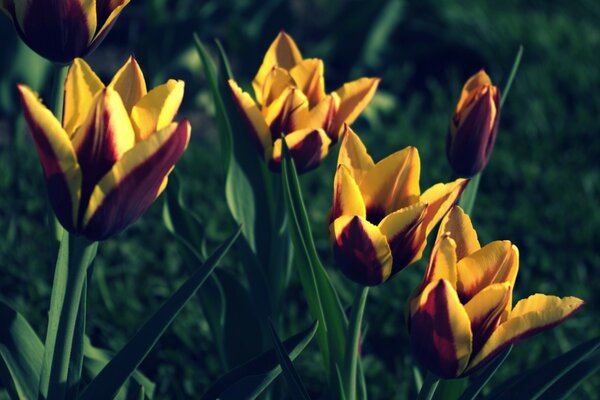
(292, 378)
(250, 379)
(564, 387)
(120, 368)
(349, 370)
(479, 382)
(321, 296)
(539, 380)
(21, 354)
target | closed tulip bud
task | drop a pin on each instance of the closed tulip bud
(290, 99)
(63, 30)
(109, 160)
(380, 220)
(474, 126)
(461, 316)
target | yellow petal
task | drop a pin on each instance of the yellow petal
(134, 182)
(157, 109)
(103, 30)
(322, 115)
(530, 316)
(472, 84)
(81, 86)
(360, 250)
(308, 77)
(353, 154)
(442, 263)
(57, 156)
(440, 198)
(485, 310)
(393, 183)
(283, 53)
(288, 113)
(129, 83)
(254, 119)
(496, 262)
(459, 225)
(354, 98)
(276, 82)
(347, 199)
(440, 331)
(307, 148)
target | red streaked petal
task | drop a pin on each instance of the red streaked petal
(459, 225)
(81, 87)
(307, 148)
(254, 119)
(360, 250)
(353, 154)
(134, 182)
(347, 199)
(440, 331)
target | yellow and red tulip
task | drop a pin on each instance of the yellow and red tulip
(462, 316)
(111, 156)
(474, 126)
(63, 30)
(380, 220)
(291, 100)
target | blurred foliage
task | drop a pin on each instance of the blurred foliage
(541, 189)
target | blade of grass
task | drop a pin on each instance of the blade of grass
(349, 370)
(484, 377)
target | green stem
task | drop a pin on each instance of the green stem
(58, 96)
(429, 386)
(467, 200)
(352, 342)
(75, 256)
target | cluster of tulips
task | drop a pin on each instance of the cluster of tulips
(107, 158)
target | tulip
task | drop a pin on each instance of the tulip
(380, 220)
(111, 157)
(63, 30)
(461, 316)
(291, 100)
(474, 126)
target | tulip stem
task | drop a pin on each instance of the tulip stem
(429, 386)
(74, 258)
(352, 342)
(467, 200)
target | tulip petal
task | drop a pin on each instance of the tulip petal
(440, 198)
(157, 109)
(354, 98)
(442, 263)
(485, 310)
(393, 183)
(134, 182)
(283, 53)
(254, 119)
(57, 156)
(529, 317)
(353, 154)
(399, 228)
(276, 82)
(307, 148)
(81, 86)
(440, 331)
(104, 137)
(459, 225)
(477, 80)
(308, 77)
(129, 82)
(321, 116)
(288, 113)
(347, 199)
(496, 262)
(360, 250)
(115, 7)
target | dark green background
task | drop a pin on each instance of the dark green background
(541, 189)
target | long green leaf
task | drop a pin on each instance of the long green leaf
(564, 387)
(21, 354)
(321, 296)
(250, 379)
(292, 378)
(536, 382)
(478, 383)
(118, 370)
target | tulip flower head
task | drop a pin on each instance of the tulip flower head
(474, 126)
(462, 316)
(291, 100)
(380, 219)
(110, 158)
(63, 30)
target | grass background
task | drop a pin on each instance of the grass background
(541, 189)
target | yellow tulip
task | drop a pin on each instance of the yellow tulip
(291, 100)
(380, 220)
(461, 316)
(474, 126)
(63, 30)
(110, 158)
